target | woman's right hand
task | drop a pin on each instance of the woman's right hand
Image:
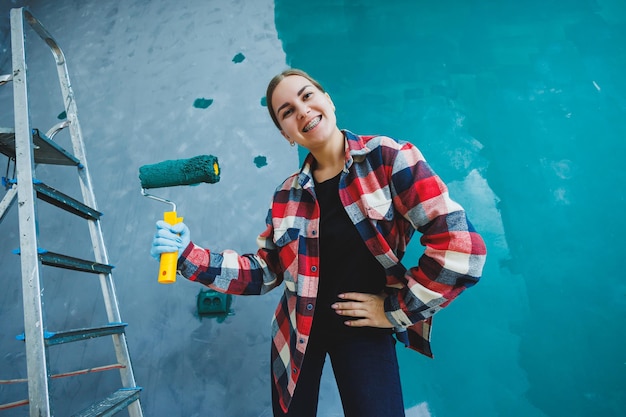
(169, 238)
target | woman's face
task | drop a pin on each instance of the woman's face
(306, 115)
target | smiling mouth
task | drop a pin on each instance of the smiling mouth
(312, 124)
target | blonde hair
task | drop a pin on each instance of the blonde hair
(276, 80)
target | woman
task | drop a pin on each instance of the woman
(336, 232)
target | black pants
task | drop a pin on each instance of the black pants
(366, 370)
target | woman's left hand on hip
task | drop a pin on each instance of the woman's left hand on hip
(367, 309)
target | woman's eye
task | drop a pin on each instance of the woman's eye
(287, 113)
(307, 95)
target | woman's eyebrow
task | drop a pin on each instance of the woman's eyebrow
(300, 91)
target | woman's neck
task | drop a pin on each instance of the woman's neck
(330, 160)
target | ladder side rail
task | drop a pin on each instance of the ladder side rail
(97, 237)
(95, 229)
(36, 361)
(43, 33)
(78, 147)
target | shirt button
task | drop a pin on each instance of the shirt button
(294, 370)
(313, 268)
(301, 340)
(314, 232)
(309, 307)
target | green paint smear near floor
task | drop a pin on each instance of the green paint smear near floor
(520, 108)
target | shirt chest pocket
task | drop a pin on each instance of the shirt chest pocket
(283, 237)
(287, 241)
(378, 205)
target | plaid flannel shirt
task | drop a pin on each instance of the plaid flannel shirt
(389, 191)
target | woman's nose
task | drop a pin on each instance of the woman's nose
(303, 109)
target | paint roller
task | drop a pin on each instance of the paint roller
(201, 168)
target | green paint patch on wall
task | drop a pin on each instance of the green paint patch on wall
(238, 58)
(264, 101)
(260, 161)
(202, 103)
(62, 115)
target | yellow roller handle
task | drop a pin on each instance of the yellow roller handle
(169, 260)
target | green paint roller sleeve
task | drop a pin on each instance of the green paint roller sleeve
(201, 168)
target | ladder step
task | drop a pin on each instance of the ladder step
(75, 264)
(111, 405)
(46, 151)
(65, 202)
(69, 262)
(67, 336)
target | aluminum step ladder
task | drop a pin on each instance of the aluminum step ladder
(26, 148)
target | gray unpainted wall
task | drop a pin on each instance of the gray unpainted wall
(136, 69)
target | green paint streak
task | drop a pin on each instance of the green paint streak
(238, 58)
(202, 103)
(264, 101)
(260, 161)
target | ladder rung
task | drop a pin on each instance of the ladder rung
(75, 264)
(13, 404)
(112, 404)
(65, 374)
(64, 201)
(45, 150)
(67, 336)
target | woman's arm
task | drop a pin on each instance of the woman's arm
(230, 272)
(454, 253)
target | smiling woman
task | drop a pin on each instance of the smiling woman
(336, 233)
(305, 114)
(277, 79)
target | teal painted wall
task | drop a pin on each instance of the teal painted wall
(520, 107)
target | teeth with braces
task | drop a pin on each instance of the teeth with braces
(312, 124)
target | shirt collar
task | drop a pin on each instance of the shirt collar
(356, 150)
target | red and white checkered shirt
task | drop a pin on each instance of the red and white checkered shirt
(389, 192)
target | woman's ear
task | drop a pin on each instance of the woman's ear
(331, 100)
(282, 132)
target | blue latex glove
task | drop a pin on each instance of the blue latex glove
(169, 238)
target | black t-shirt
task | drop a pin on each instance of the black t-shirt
(346, 264)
